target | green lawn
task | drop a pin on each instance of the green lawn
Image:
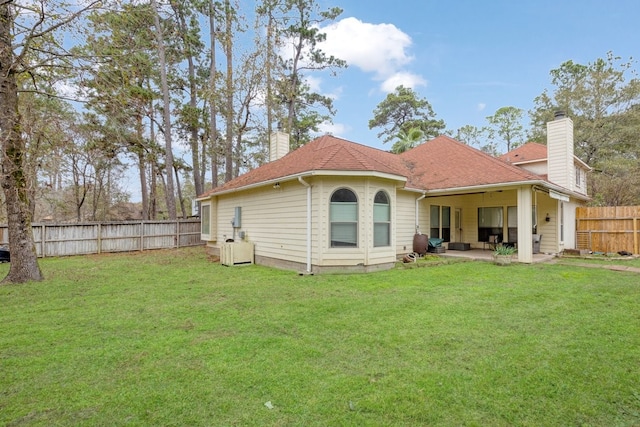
(169, 338)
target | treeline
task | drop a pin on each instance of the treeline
(183, 93)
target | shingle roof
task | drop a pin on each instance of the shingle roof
(440, 163)
(444, 163)
(529, 152)
(325, 153)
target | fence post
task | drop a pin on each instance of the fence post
(99, 237)
(42, 245)
(635, 236)
(141, 236)
(177, 237)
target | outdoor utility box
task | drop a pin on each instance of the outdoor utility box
(235, 253)
(236, 222)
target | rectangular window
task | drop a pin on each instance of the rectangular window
(578, 177)
(490, 222)
(512, 224)
(381, 235)
(381, 222)
(434, 221)
(205, 219)
(446, 223)
(344, 224)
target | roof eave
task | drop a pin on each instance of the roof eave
(526, 162)
(292, 177)
(505, 185)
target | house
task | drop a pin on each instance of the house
(333, 204)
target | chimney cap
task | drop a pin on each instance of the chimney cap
(559, 114)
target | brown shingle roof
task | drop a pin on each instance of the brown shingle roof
(440, 163)
(529, 152)
(322, 154)
(444, 163)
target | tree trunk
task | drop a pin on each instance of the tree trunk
(228, 47)
(170, 193)
(183, 209)
(24, 262)
(213, 131)
(192, 121)
(140, 151)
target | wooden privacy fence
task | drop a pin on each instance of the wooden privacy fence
(608, 229)
(95, 238)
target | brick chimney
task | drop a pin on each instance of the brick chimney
(561, 169)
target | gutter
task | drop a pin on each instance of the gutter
(507, 185)
(301, 175)
(306, 184)
(424, 194)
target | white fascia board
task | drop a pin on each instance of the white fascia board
(506, 186)
(308, 174)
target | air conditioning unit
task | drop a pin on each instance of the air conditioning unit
(234, 253)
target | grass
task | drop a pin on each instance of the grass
(629, 261)
(170, 338)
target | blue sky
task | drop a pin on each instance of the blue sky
(467, 58)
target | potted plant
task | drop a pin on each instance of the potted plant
(503, 254)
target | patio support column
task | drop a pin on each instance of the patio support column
(525, 225)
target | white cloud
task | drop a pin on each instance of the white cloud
(377, 48)
(482, 106)
(408, 80)
(335, 129)
(380, 49)
(313, 82)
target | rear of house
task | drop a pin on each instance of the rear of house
(337, 205)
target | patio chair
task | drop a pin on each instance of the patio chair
(493, 241)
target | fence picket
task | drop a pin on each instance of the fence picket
(609, 229)
(127, 236)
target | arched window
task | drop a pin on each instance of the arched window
(381, 220)
(344, 219)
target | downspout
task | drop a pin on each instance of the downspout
(306, 184)
(424, 194)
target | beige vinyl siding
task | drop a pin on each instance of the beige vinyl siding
(365, 190)
(406, 220)
(263, 214)
(570, 222)
(275, 220)
(539, 168)
(551, 242)
(549, 230)
(582, 186)
(560, 153)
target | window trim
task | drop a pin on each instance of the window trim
(387, 222)
(205, 218)
(355, 224)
